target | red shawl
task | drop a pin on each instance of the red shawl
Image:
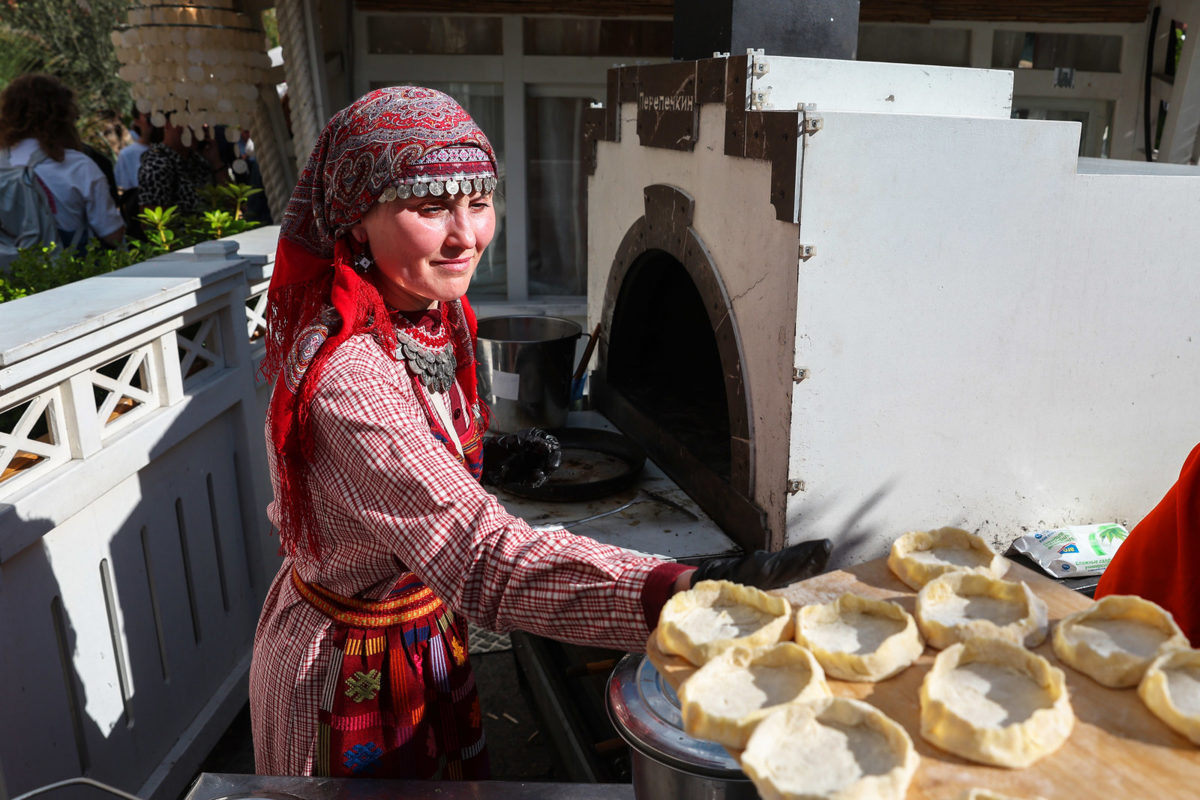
(388, 139)
(1160, 558)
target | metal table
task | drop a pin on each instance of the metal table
(216, 786)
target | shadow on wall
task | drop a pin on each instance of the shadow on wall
(853, 541)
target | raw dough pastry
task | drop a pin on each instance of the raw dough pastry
(725, 699)
(858, 638)
(1171, 689)
(1113, 641)
(961, 605)
(831, 748)
(918, 557)
(995, 702)
(713, 616)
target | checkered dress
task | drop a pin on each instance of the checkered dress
(387, 495)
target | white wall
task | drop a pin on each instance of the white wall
(995, 339)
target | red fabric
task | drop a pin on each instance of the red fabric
(1160, 558)
(402, 701)
(658, 590)
(384, 138)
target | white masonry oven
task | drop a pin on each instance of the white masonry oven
(851, 299)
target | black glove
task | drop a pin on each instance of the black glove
(525, 458)
(768, 570)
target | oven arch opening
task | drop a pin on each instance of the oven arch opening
(663, 357)
(670, 371)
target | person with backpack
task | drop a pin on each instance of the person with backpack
(37, 130)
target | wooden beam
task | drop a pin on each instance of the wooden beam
(912, 11)
(1003, 10)
(588, 8)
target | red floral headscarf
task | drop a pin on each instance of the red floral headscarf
(391, 142)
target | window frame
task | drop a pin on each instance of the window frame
(516, 73)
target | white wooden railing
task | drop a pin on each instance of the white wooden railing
(134, 544)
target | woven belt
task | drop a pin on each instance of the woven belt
(404, 605)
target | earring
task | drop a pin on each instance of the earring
(364, 262)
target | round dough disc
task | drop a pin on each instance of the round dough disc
(959, 605)
(1113, 641)
(988, 794)
(995, 702)
(725, 699)
(859, 638)
(713, 616)
(918, 557)
(1171, 689)
(830, 748)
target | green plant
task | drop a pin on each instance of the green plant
(219, 222)
(230, 197)
(36, 269)
(156, 221)
(73, 41)
(20, 52)
(239, 193)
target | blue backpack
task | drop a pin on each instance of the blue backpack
(26, 218)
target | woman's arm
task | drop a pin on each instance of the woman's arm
(376, 462)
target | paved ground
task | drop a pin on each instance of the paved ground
(519, 750)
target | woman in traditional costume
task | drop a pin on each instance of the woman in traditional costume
(375, 435)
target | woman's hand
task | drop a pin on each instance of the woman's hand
(526, 458)
(765, 570)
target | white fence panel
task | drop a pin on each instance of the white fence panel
(134, 544)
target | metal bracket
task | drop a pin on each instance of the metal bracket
(759, 98)
(807, 251)
(810, 120)
(760, 68)
(795, 486)
(799, 374)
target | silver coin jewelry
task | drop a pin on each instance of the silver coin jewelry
(429, 356)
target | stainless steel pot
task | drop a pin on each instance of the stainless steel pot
(524, 369)
(667, 763)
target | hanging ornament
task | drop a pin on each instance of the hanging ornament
(198, 60)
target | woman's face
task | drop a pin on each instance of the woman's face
(426, 248)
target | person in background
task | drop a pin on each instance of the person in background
(375, 441)
(129, 160)
(37, 124)
(1160, 558)
(171, 172)
(243, 168)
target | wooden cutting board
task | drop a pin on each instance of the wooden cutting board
(1117, 751)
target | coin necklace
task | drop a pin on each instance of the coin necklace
(428, 354)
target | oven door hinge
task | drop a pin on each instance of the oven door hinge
(807, 251)
(810, 120)
(795, 486)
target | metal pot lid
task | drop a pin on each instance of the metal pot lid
(645, 711)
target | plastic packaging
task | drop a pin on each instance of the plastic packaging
(1075, 551)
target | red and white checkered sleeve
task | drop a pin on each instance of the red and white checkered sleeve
(378, 461)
